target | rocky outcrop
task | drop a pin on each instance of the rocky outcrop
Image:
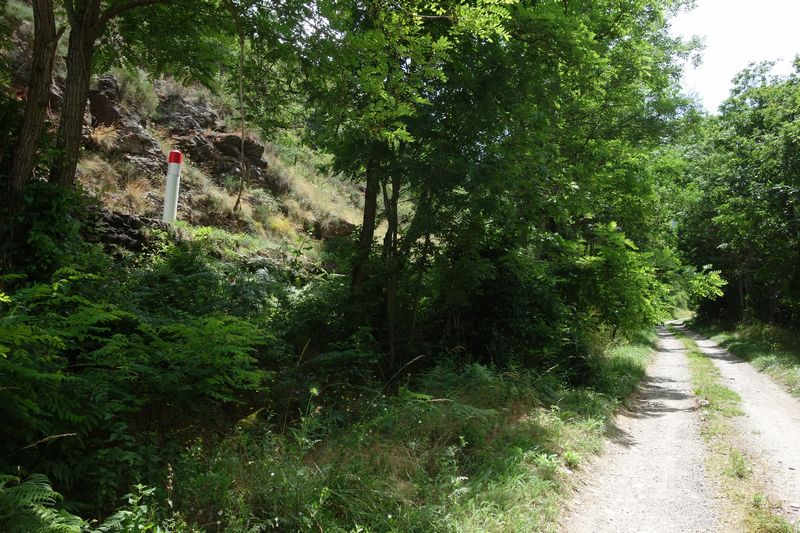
(134, 143)
(195, 128)
(130, 232)
(199, 132)
(180, 115)
(332, 227)
(104, 102)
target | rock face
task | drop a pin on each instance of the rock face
(199, 132)
(332, 227)
(104, 102)
(230, 145)
(134, 142)
(195, 128)
(129, 232)
(181, 116)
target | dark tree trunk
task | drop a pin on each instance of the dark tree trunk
(392, 266)
(85, 27)
(741, 300)
(44, 46)
(242, 163)
(368, 226)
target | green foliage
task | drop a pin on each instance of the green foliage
(459, 448)
(30, 506)
(741, 199)
(51, 232)
(515, 148)
(136, 90)
(102, 374)
(770, 348)
(141, 513)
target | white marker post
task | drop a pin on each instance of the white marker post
(173, 185)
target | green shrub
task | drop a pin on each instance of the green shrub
(121, 387)
(30, 506)
(136, 90)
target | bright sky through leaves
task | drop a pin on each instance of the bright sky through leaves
(737, 32)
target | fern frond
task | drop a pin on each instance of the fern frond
(27, 506)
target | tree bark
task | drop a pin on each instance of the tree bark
(368, 225)
(44, 46)
(392, 265)
(242, 163)
(84, 30)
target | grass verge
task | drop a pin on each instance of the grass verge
(771, 349)
(461, 449)
(744, 493)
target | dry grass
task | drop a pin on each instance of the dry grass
(280, 226)
(98, 176)
(320, 195)
(133, 197)
(105, 136)
(313, 197)
(118, 186)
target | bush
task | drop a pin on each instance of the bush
(136, 90)
(113, 386)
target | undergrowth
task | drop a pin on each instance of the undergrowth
(234, 394)
(457, 449)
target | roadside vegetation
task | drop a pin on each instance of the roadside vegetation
(196, 334)
(419, 253)
(771, 349)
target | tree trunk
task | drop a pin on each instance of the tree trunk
(741, 314)
(368, 226)
(392, 266)
(242, 164)
(84, 29)
(44, 46)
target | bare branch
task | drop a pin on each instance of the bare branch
(48, 439)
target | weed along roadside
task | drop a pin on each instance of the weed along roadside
(747, 487)
(467, 450)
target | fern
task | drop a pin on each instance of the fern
(29, 506)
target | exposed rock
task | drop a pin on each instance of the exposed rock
(139, 147)
(276, 183)
(125, 231)
(227, 166)
(134, 142)
(230, 145)
(104, 102)
(183, 117)
(332, 227)
(197, 147)
(134, 139)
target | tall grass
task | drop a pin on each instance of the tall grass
(460, 448)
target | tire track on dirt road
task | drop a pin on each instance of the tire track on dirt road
(652, 476)
(770, 428)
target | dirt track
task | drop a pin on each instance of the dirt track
(652, 477)
(770, 428)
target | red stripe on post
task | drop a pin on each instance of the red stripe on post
(176, 157)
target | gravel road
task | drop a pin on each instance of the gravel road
(770, 428)
(652, 477)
